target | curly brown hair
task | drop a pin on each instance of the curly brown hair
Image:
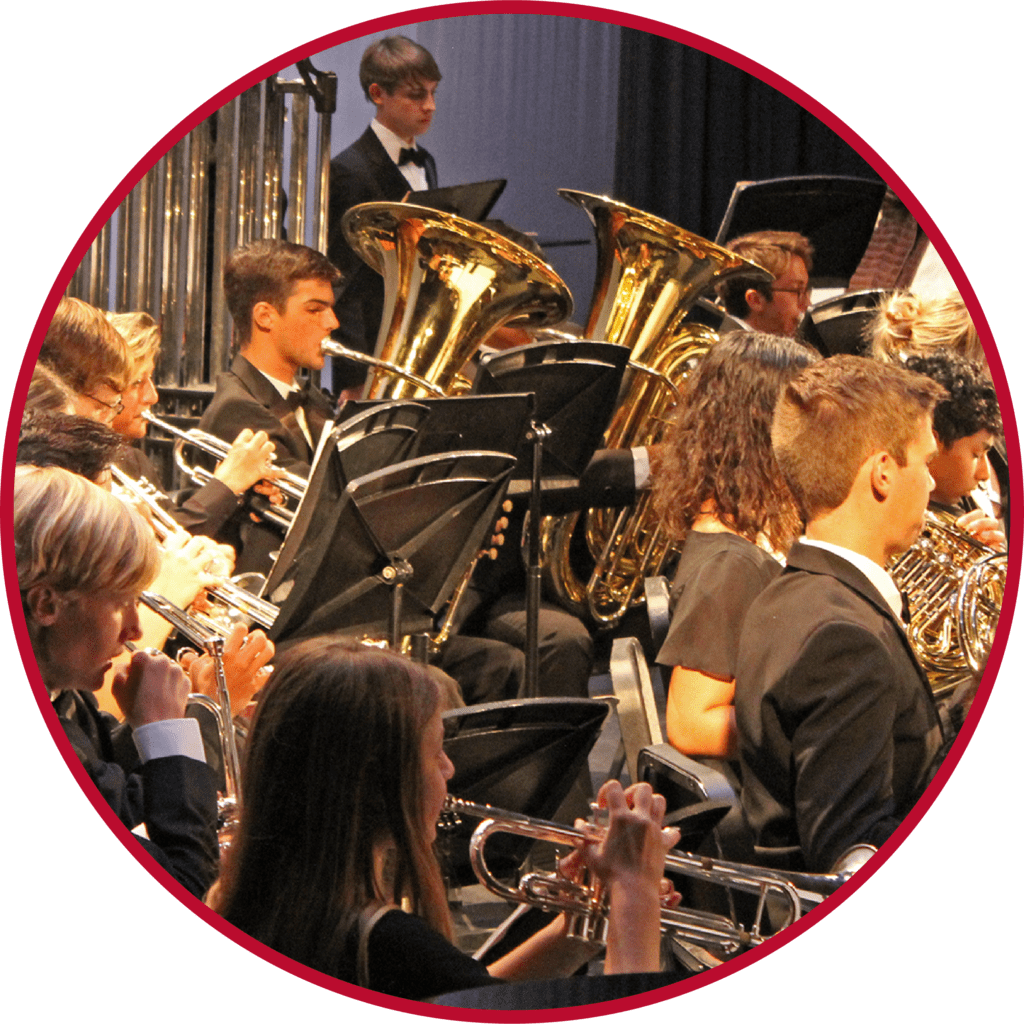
(718, 447)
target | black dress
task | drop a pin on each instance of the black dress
(407, 958)
(719, 576)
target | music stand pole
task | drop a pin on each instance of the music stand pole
(531, 684)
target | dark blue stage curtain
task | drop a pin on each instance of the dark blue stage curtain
(691, 126)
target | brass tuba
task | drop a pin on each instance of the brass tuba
(954, 584)
(448, 284)
(649, 274)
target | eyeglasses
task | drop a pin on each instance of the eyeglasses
(800, 293)
(115, 407)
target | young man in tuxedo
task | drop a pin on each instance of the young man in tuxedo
(280, 297)
(839, 732)
(399, 77)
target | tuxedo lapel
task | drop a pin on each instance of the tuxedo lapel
(387, 177)
(808, 558)
(270, 398)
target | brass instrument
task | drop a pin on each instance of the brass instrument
(649, 273)
(230, 800)
(795, 892)
(232, 601)
(292, 485)
(954, 584)
(448, 284)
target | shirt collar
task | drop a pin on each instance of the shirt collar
(390, 141)
(877, 576)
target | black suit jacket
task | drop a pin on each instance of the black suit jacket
(245, 398)
(838, 729)
(362, 173)
(175, 797)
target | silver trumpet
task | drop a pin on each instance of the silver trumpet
(292, 485)
(212, 644)
(791, 893)
(234, 602)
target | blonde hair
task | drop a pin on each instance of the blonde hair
(84, 350)
(142, 335)
(74, 536)
(906, 324)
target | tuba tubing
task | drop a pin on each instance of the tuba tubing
(649, 273)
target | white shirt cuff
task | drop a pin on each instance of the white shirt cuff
(170, 738)
(641, 468)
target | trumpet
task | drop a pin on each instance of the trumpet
(239, 604)
(196, 632)
(292, 485)
(793, 892)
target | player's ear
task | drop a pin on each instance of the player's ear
(376, 94)
(264, 315)
(43, 604)
(882, 467)
(755, 301)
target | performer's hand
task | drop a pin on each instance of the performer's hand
(151, 689)
(188, 565)
(249, 460)
(983, 528)
(246, 669)
(633, 847)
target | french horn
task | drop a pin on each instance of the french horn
(954, 585)
(649, 274)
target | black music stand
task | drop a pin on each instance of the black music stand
(416, 526)
(839, 325)
(517, 755)
(492, 423)
(836, 213)
(576, 384)
(361, 443)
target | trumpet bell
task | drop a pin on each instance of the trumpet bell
(448, 285)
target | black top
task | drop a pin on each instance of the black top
(407, 958)
(719, 576)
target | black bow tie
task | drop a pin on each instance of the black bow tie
(298, 397)
(412, 156)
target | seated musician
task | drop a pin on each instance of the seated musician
(344, 780)
(280, 296)
(906, 324)
(838, 729)
(89, 357)
(206, 509)
(87, 448)
(966, 425)
(778, 306)
(717, 487)
(83, 558)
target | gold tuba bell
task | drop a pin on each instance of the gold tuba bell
(448, 285)
(649, 274)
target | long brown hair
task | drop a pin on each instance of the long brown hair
(332, 770)
(718, 447)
